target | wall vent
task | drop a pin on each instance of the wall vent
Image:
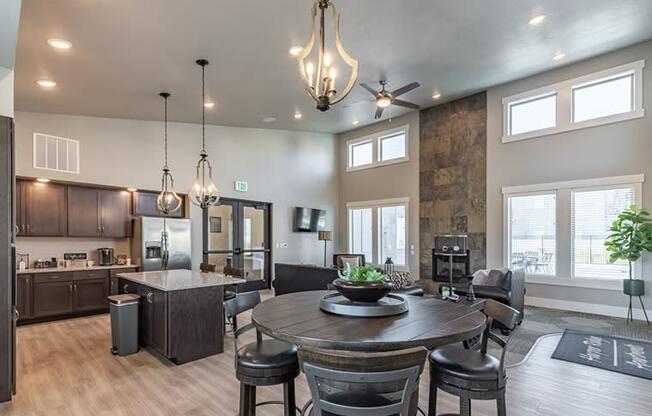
(56, 153)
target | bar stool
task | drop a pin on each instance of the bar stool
(266, 362)
(471, 374)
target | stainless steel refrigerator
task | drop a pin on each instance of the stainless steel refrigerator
(161, 243)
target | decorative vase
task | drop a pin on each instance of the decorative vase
(367, 292)
(634, 287)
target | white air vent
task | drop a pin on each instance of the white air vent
(56, 153)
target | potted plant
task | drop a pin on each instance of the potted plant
(631, 235)
(362, 284)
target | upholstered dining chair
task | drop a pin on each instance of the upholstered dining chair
(265, 362)
(230, 292)
(362, 383)
(470, 374)
(341, 260)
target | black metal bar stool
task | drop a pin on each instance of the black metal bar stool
(473, 375)
(266, 362)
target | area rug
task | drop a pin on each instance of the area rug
(622, 355)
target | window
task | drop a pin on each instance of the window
(392, 147)
(533, 114)
(608, 96)
(361, 154)
(593, 212)
(383, 148)
(532, 231)
(603, 98)
(378, 229)
(556, 231)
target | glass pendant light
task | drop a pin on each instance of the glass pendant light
(168, 201)
(203, 191)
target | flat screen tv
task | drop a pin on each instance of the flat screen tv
(309, 220)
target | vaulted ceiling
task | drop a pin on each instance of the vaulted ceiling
(125, 52)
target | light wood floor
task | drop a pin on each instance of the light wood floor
(65, 368)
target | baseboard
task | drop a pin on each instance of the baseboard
(606, 310)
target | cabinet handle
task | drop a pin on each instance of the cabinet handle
(29, 226)
(150, 297)
(70, 288)
(17, 229)
(55, 277)
(75, 287)
(125, 288)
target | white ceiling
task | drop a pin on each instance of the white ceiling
(125, 52)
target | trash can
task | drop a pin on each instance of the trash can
(124, 323)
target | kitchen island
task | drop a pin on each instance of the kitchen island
(181, 311)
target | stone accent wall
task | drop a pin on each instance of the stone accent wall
(452, 177)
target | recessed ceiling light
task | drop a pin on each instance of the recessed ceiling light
(436, 96)
(59, 43)
(295, 50)
(355, 122)
(298, 115)
(209, 104)
(132, 189)
(559, 57)
(46, 83)
(43, 180)
(537, 20)
(269, 119)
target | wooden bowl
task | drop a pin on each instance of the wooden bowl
(368, 292)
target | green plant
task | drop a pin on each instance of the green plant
(362, 274)
(631, 235)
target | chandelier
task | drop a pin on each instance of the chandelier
(203, 191)
(320, 78)
(168, 201)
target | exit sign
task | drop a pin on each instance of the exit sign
(241, 186)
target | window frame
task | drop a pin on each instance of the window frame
(564, 274)
(376, 231)
(565, 104)
(376, 140)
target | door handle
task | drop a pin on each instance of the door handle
(237, 250)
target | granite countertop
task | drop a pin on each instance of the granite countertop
(75, 269)
(171, 280)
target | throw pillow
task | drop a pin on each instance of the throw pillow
(488, 277)
(399, 279)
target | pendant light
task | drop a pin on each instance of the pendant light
(320, 78)
(168, 201)
(203, 191)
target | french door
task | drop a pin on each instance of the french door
(237, 240)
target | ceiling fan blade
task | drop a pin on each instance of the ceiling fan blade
(405, 104)
(368, 88)
(379, 112)
(404, 89)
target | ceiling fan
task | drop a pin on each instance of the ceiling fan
(386, 98)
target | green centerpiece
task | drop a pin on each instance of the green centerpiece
(631, 236)
(362, 284)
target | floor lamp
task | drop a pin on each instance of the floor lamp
(325, 236)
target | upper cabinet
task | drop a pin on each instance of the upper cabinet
(98, 213)
(145, 205)
(40, 209)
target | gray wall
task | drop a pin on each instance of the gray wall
(609, 150)
(392, 181)
(6, 92)
(285, 168)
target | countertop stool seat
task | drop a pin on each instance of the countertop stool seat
(469, 374)
(266, 362)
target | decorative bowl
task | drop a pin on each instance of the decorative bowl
(361, 291)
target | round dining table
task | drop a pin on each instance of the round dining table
(429, 322)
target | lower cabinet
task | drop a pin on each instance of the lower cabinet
(53, 297)
(90, 294)
(153, 319)
(24, 296)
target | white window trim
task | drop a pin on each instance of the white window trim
(67, 141)
(567, 279)
(375, 222)
(564, 91)
(376, 138)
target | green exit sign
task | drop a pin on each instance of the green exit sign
(241, 186)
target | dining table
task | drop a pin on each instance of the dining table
(430, 322)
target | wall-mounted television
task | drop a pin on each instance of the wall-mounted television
(309, 220)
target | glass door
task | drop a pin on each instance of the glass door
(237, 237)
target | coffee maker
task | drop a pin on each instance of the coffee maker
(104, 256)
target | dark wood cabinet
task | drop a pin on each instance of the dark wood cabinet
(24, 296)
(41, 209)
(83, 212)
(115, 221)
(52, 297)
(90, 294)
(114, 288)
(144, 203)
(98, 213)
(153, 319)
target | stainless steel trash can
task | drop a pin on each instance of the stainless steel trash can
(124, 323)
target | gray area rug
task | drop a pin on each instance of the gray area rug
(542, 321)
